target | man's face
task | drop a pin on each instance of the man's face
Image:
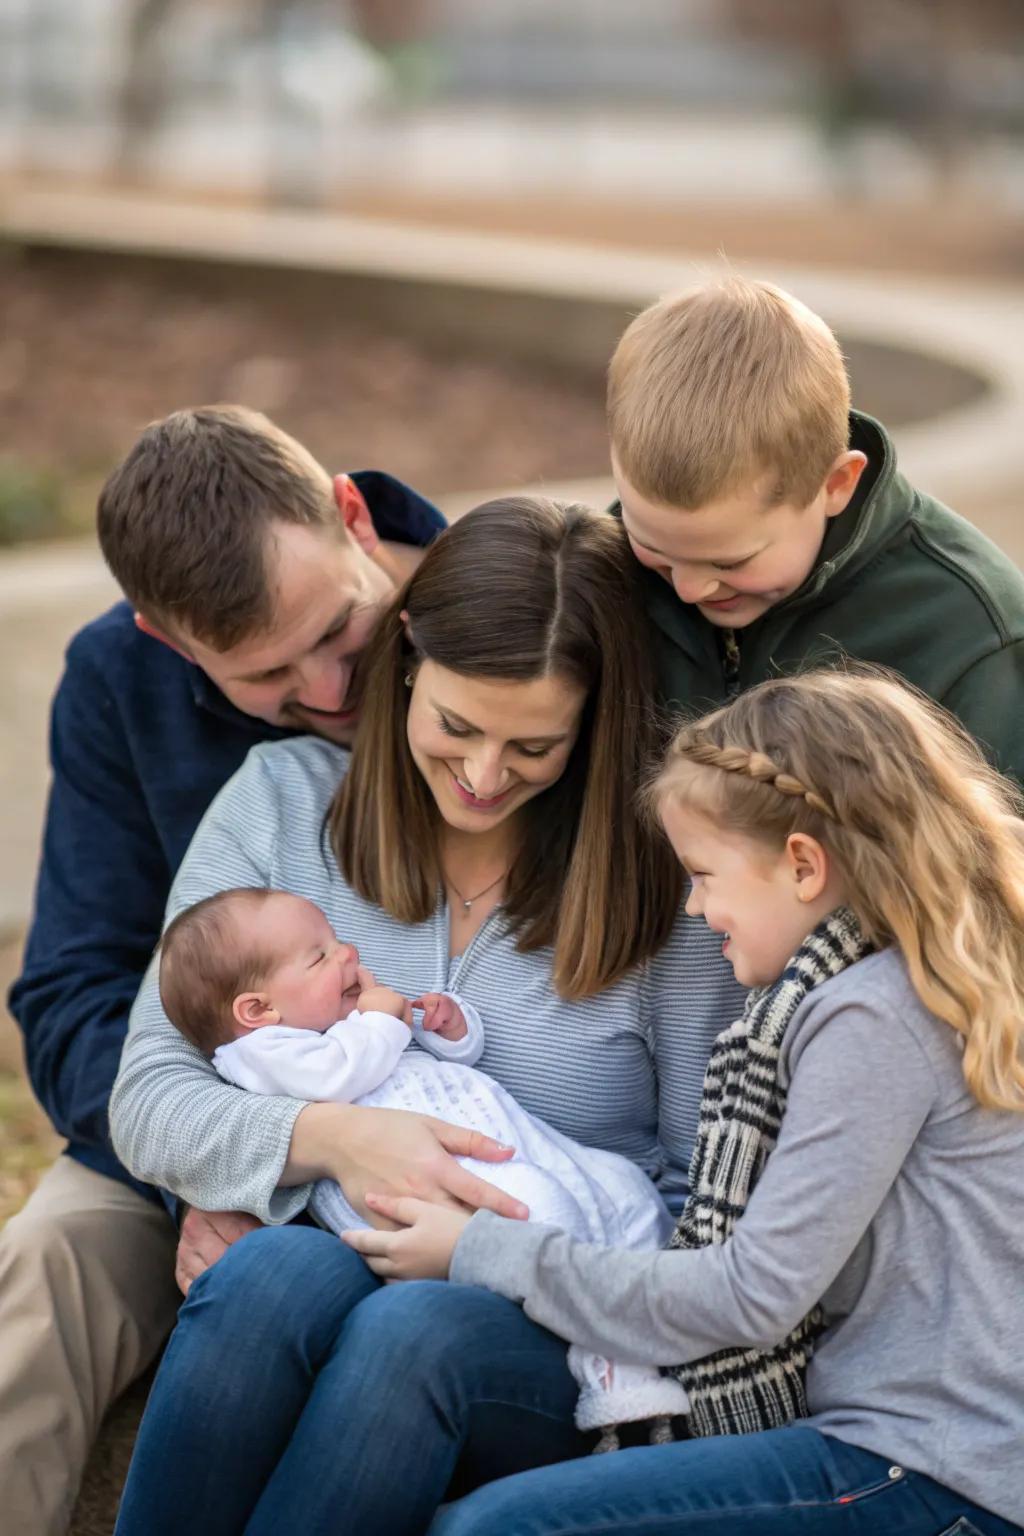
(303, 671)
(733, 558)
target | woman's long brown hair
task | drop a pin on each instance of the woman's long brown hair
(518, 589)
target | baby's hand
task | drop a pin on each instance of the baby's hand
(384, 1000)
(442, 1015)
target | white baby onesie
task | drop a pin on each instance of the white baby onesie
(595, 1196)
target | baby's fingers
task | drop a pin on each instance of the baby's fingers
(428, 1005)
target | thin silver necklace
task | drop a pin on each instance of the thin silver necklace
(467, 901)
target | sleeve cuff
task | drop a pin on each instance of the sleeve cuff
(498, 1254)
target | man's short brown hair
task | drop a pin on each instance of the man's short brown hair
(206, 961)
(713, 388)
(183, 521)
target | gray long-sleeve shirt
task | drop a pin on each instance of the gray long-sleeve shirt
(622, 1070)
(892, 1196)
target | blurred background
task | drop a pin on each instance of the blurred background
(411, 230)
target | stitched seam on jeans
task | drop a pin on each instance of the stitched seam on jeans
(730, 1513)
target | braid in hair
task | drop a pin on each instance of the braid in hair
(697, 748)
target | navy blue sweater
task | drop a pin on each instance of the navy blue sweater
(140, 743)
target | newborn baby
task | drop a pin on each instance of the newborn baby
(258, 981)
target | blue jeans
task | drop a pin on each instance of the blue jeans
(299, 1394)
(784, 1482)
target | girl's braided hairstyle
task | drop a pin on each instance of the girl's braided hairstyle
(695, 746)
(928, 839)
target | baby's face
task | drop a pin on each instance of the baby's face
(316, 983)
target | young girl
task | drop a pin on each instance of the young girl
(866, 871)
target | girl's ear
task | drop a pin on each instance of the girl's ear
(808, 865)
(251, 1010)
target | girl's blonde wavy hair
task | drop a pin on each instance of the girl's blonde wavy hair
(928, 839)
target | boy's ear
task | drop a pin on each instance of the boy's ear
(141, 622)
(355, 514)
(251, 1010)
(842, 480)
(808, 865)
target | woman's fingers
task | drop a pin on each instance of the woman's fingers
(461, 1142)
(472, 1191)
(481, 1196)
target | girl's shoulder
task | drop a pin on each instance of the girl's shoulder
(874, 1005)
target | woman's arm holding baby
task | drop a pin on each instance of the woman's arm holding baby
(175, 1123)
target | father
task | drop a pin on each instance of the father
(253, 581)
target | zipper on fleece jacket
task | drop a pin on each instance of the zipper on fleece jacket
(730, 663)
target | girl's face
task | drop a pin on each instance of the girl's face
(485, 747)
(764, 901)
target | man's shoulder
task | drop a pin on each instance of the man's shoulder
(115, 647)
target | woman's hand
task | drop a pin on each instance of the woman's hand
(395, 1152)
(421, 1249)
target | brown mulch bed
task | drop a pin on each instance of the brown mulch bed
(92, 348)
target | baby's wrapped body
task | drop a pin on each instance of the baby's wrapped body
(594, 1196)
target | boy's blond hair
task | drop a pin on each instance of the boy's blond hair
(713, 388)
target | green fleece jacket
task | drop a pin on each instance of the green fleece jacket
(901, 581)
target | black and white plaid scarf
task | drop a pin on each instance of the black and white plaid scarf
(738, 1391)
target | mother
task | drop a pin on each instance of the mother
(482, 838)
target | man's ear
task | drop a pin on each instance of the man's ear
(251, 1010)
(843, 479)
(355, 514)
(808, 865)
(141, 622)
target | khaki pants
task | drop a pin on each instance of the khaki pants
(87, 1297)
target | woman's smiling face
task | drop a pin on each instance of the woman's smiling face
(486, 746)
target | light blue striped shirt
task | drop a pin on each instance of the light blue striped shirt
(622, 1070)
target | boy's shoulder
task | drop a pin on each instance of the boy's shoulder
(905, 542)
(965, 559)
(908, 584)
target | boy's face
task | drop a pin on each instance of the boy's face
(316, 981)
(737, 556)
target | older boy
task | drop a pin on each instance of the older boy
(775, 526)
(262, 578)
